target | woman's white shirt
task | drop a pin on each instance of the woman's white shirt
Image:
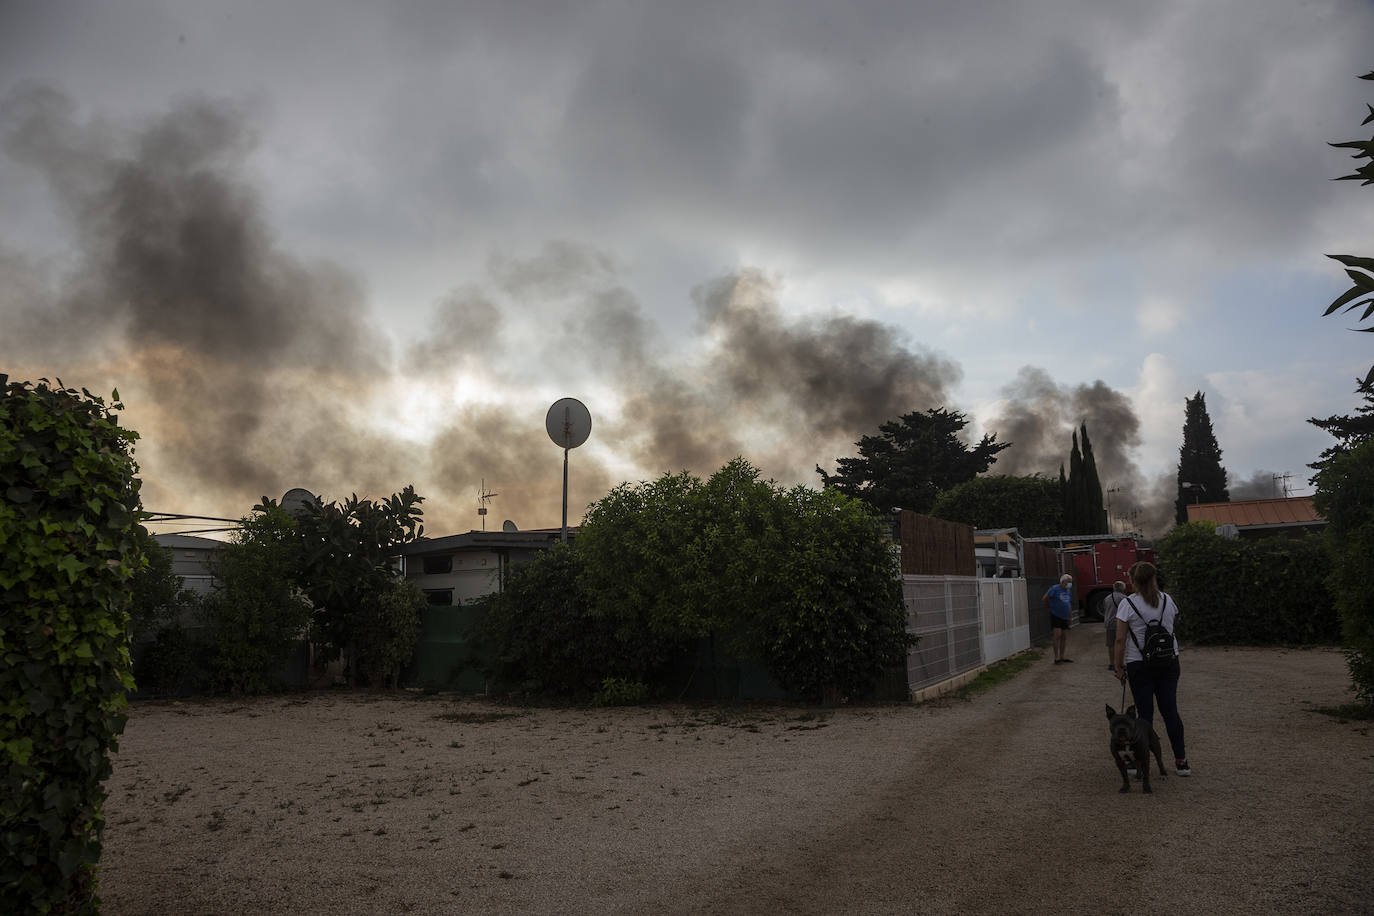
(1148, 613)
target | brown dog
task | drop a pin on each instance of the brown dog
(1136, 737)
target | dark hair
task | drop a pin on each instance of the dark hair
(1146, 579)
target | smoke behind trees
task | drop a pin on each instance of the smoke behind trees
(249, 370)
(239, 361)
(1038, 417)
(1259, 485)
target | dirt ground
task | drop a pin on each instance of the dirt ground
(341, 803)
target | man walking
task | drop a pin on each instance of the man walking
(1109, 606)
(1059, 599)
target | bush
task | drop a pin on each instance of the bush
(803, 582)
(837, 624)
(165, 659)
(347, 567)
(1268, 591)
(68, 527)
(256, 614)
(388, 630)
(1034, 505)
(1345, 497)
(543, 635)
(619, 691)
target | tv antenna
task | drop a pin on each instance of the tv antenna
(483, 497)
(1284, 479)
(568, 423)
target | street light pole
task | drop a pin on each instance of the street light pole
(1109, 507)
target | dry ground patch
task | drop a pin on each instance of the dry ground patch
(343, 802)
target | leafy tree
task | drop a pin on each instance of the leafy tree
(256, 613)
(801, 581)
(1082, 502)
(348, 568)
(640, 547)
(1360, 270)
(1095, 513)
(911, 460)
(386, 640)
(164, 655)
(1075, 492)
(156, 589)
(1345, 498)
(843, 624)
(1199, 460)
(69, 503)
(546, 638)
(1033, 505)
(1349, 430)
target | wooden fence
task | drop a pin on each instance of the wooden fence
(935, 547)
(1042, 562)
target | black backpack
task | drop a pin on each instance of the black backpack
(1158, 651)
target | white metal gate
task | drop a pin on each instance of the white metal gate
(1006, 618)
(943, 612)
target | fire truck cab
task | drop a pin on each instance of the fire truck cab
(1096, 562)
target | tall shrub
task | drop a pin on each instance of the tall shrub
(1268, 591)
(68, 550)
(835, 622)
(164, 657)
(802, 582)
(256, 613)
(348, 567)
(544, 636)
(1345, 497)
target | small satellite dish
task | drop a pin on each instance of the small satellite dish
(296, 499)
(569, 423)
(509, 526)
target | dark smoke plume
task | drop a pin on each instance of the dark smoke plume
(239, 361)
(785, 394)
(1259, 485)
(1039, 419)
(248, 370)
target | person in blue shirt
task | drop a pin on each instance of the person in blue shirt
(1059, 599)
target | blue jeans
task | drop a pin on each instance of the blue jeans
(1147, 687)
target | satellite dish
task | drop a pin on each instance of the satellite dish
(296, 499)
(509, 526)
(569, 423)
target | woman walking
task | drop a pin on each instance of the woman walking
(1151, 685)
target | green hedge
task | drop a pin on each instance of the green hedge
(800, 582)
(1345, 497)
(1269, 591)
(68, 552)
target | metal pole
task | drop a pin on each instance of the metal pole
(565, 496)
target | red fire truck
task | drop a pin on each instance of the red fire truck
(1096, 561)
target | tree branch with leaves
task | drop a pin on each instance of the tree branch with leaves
(1360, 270)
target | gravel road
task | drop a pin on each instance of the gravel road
(342, 803)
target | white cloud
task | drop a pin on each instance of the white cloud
(1159, 316)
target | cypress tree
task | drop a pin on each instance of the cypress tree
(1065, 522)
(1074, 505)
(1095, 516)
(1199, 461)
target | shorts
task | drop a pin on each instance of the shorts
(1058, 623)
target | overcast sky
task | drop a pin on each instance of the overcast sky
(350, 246)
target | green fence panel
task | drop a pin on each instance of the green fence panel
(449, 653)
